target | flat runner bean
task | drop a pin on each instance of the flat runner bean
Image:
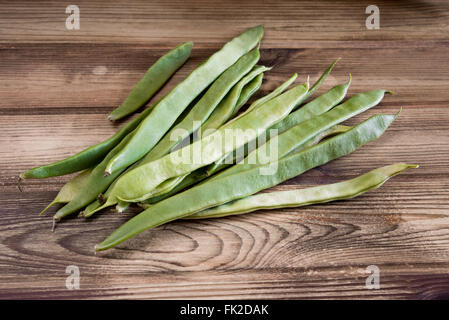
(303, 197)
(153, 80)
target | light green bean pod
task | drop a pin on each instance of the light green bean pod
(70, 189)
(152, 129)
(249, 182)
(248, 91)
(303, 197)
(153, 80)
(95, 184)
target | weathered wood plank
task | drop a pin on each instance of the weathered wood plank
(318, 251)
(56, 87)
(289, 22)
(72, 78)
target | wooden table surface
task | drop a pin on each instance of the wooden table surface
(57, 86)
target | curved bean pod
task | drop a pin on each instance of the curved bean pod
(303, 197)
(248, 91)
(151, 130)
(237, 186)
(153, 80)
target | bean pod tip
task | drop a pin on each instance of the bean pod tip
(19, 182)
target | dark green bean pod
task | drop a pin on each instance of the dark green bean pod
(153, 80)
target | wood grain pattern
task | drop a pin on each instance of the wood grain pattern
(57, 86)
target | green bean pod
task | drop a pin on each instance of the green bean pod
(138, 184)
(151, 130)
(249, 182)
(248, 91)
(230, 104)
(303, 197)
(70, 189)
(320, 80)
(153, 80)
(95, 184)
(87, 158)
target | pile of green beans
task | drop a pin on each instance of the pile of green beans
(302, 197)
(173, 159)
